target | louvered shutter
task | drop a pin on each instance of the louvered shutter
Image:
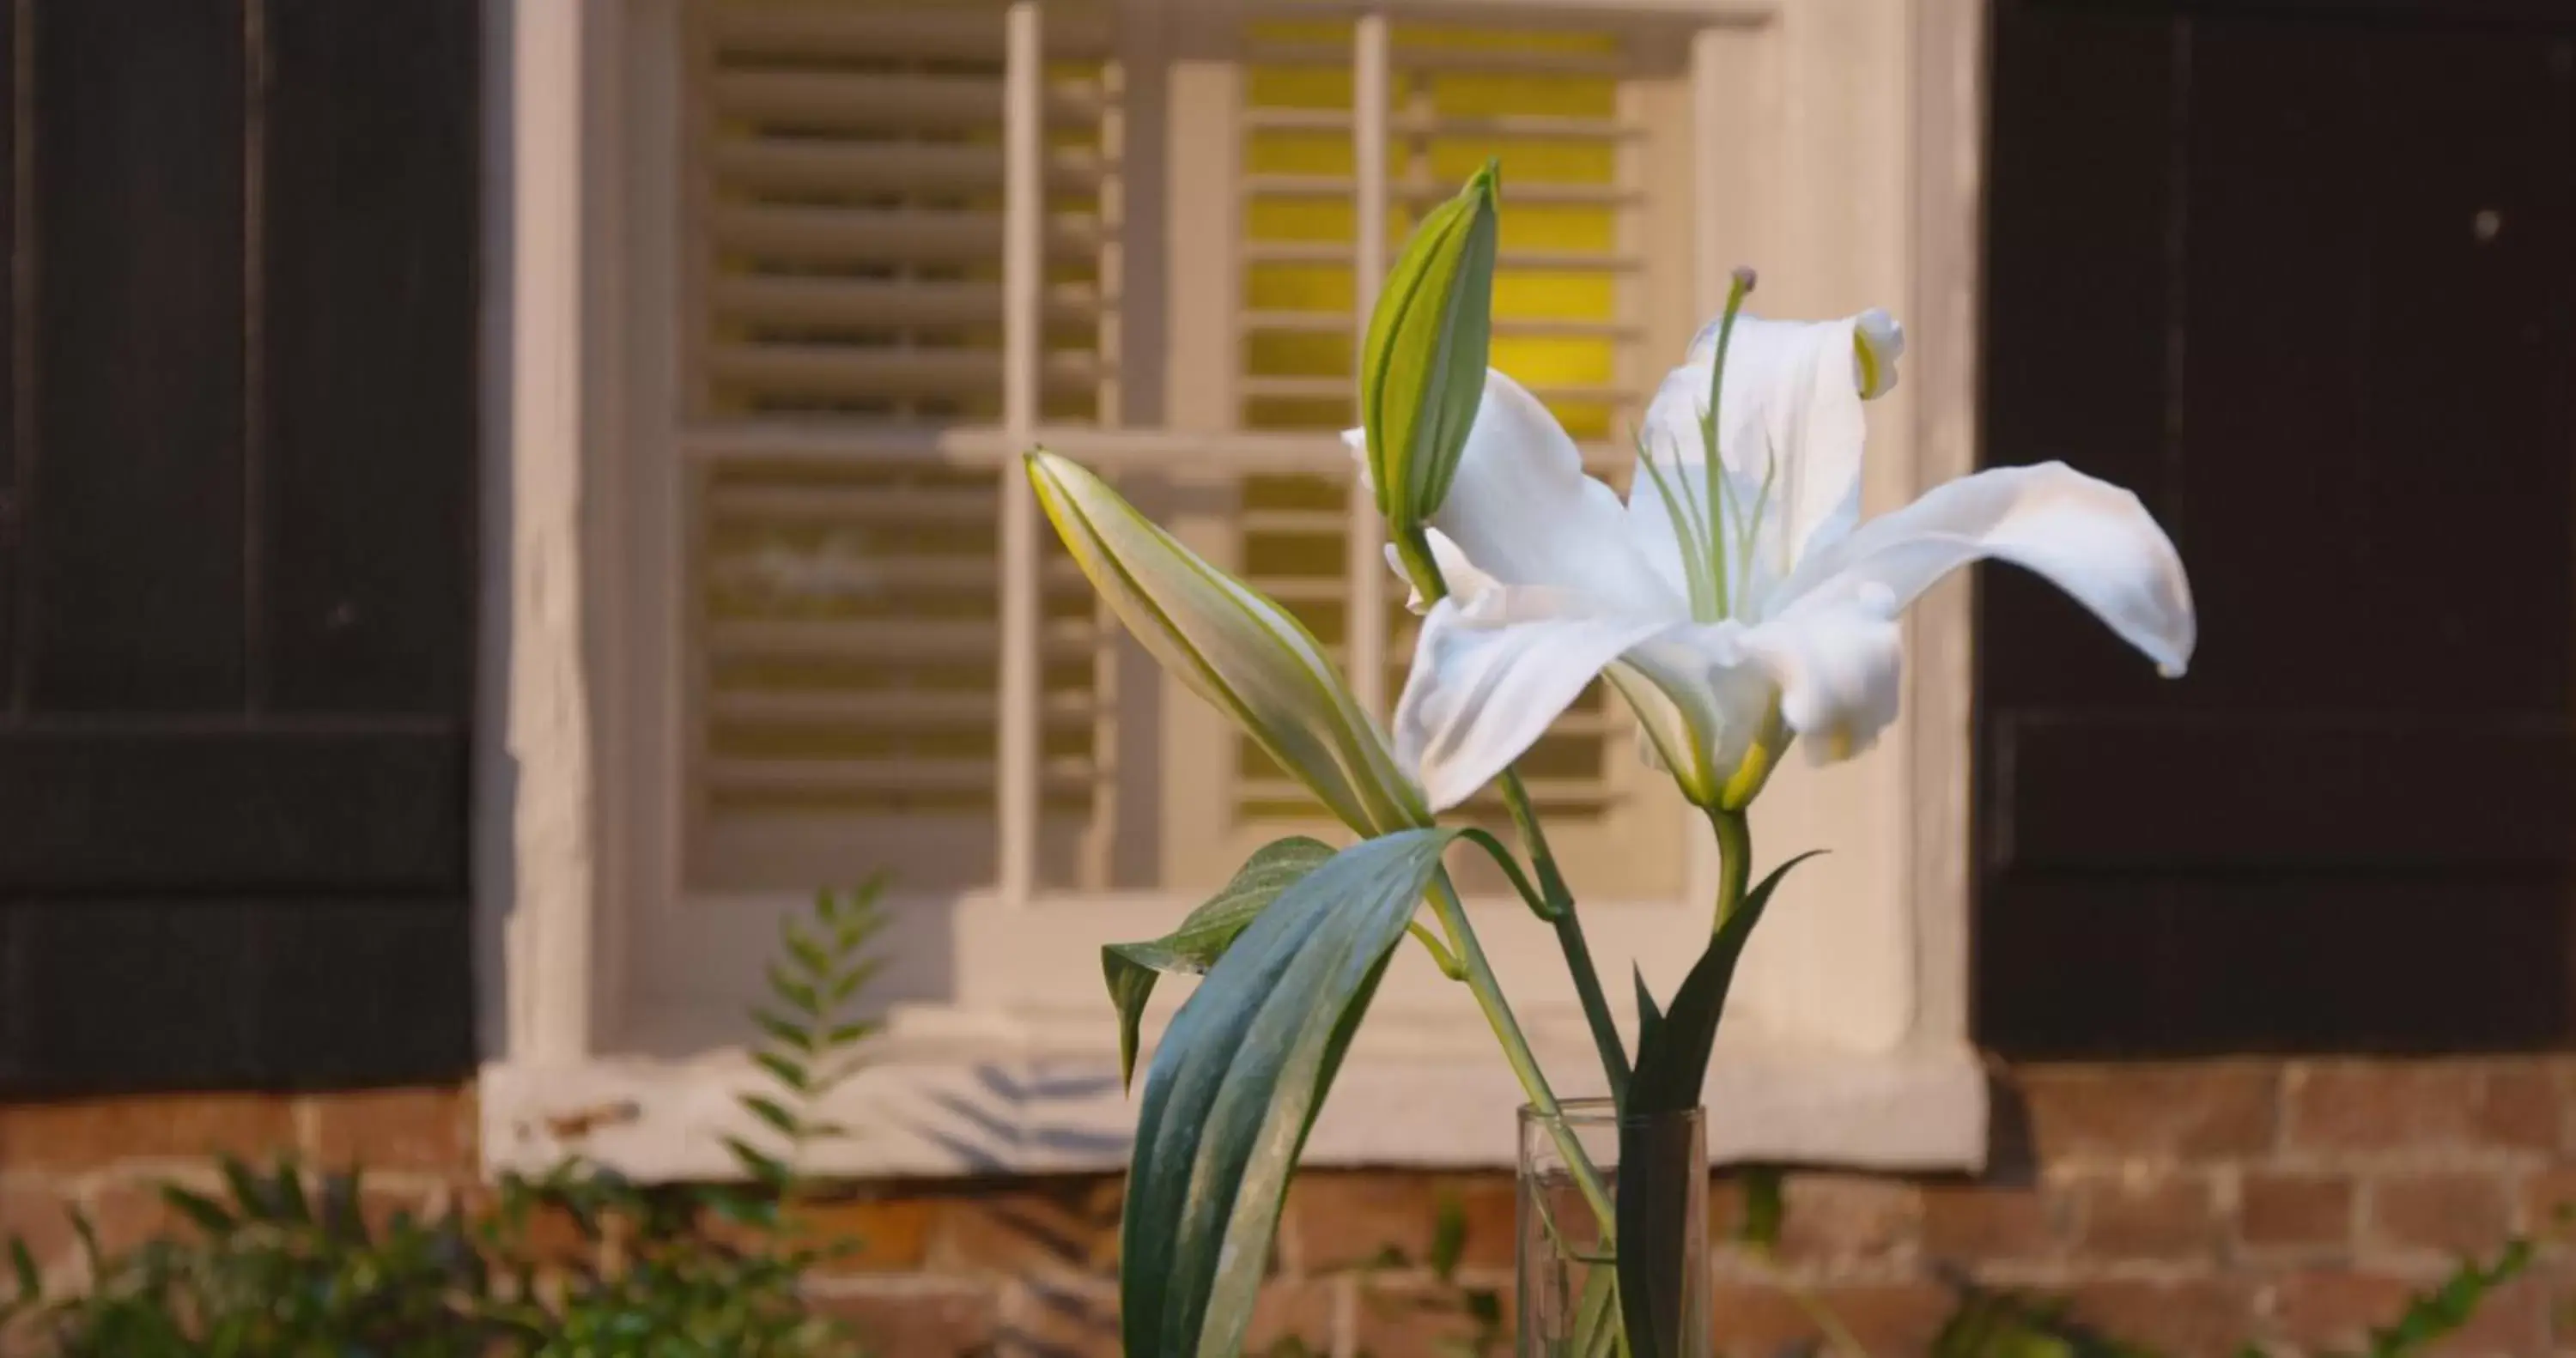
(848, 238)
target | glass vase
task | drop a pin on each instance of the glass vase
(1569, 1295)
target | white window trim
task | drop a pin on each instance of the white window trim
(1857, 178)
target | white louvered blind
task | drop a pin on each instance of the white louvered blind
(849, 244)
(846, 274)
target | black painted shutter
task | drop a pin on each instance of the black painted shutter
(238, 550)
(2304, 275)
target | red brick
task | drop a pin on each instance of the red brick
(1043, 1318)
(938, 1318)
(428, 1128)
(1847, 1218)
(2168, 1218)
(2387, 1106)
(1344, 1219)
(2296, 1211)
(126, 1213)
(2450, 1212)
(2522, 1106)
(2339, 1308)
(1026, 1227)
(1412, 1320)
(884, 1233)
(2325, 1307)
(2511, 1321)
(1294, 1314)
(88, 1133)
(1979, 1223)
(38, 1215)
(2549, 1203)
(1883, 1318)
(2184, 1111)
(2174, 1319)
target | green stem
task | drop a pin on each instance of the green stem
(1516, 1049)
(1569, 937)
(1735, 862)
(1440, 957)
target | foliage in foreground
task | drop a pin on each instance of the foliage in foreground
(574, 1263)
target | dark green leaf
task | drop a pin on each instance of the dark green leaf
(197, 1207)
(759, 1164)
(250, 1192)
(31, 1284)
(1235, 1086)
(1131, 968)
(1766, 1208)
(1672, 1065)
(769, 1110)
(290, 1194)
(793, 993)
(808, 953)
(785, 1032)
(848, 1033)
(1448, 1238)
(784, 1071)
(1649, 1018)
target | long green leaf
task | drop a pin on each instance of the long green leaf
(1672, 1067)
(1672, 1060)
(1131, 968)
(1235, 1086)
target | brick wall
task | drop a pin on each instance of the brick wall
(2190, 1207)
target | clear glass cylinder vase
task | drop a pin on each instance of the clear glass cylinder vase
(1571, 1164)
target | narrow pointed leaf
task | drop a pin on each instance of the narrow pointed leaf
(785, 1032)
(198, 1208)
(772, 1112)
(1649, 1017)
(1234, 1088)
(1672, 1066)
(785, 1071)
(1131, 968)
(31, 1283)
(1765, 1208)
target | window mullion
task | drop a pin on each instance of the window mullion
(1366, 624)
(1023, 350)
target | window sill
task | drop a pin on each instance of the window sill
(995, 1105)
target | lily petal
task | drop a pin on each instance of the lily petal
(1238, 650)
(1702, 708)
(1838, 665)
(2088, 537)
(1792, 426)
(1523, 512)
(1489, 676)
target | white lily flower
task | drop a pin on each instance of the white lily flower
(1233, 647)
(1733, 615)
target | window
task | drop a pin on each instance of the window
(861, 256)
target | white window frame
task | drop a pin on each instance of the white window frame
(1853, 179)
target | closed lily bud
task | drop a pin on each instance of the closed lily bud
(1233, 647)
(1423, 370)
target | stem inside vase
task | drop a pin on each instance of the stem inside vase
(1569, 1294)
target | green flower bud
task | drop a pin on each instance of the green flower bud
(1233, 647)
(1423, 370)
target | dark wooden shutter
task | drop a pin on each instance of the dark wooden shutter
(237, 549)
(2304, 274)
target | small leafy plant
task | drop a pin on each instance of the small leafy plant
(577, 1262)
